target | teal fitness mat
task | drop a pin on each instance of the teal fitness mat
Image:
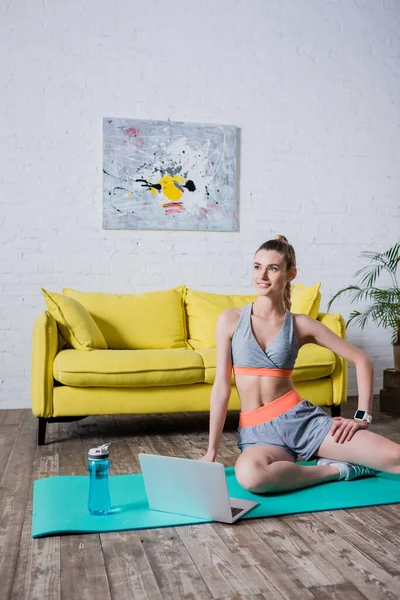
(60, 503)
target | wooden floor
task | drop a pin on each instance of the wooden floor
(346, 554)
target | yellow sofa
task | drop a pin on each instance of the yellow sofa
(157, 354)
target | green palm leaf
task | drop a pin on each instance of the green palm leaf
(388, 261)
(385, 307)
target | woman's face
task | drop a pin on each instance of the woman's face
(269, 273)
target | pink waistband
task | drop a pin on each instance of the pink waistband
(271, 410)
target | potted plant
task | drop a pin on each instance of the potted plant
(384, 309)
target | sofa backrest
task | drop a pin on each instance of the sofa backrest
(176, 318)
(149, 320)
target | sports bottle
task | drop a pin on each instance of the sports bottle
(98, 468)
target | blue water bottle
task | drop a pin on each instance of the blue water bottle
(98, 468)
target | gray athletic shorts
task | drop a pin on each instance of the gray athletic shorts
(300, 431)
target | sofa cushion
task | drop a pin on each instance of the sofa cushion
(128, 368)
(74, 322)
(306, 299)
(149, 320)
(313, 362)
(203, 309)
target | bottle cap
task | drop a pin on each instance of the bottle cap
(99, 453)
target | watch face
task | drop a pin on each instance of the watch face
(359, 414)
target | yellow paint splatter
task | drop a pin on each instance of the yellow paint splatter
(169, 188)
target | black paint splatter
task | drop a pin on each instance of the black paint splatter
(149, 185)
(189, 185)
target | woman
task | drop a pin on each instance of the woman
(261, 341)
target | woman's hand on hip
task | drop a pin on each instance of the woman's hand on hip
(343, 430)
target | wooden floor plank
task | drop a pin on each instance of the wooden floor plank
(353, 565)
(379, 523)
(13, 417)
(83, 573)
(340, 591)
(172, 566)
(9, 427)
(153, 434)
(37, 575)
(134, 444)
(251, 597)
(312, 569)
(8, 436)
(267, 571)
(392, 513)
(129, 571)
(221, 566)
(374, 545)
(14, 490)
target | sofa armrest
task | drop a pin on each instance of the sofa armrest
(45, 343)
(339, 377)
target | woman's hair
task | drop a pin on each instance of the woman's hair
(281, 245)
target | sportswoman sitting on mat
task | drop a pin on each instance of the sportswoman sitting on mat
(276, 425)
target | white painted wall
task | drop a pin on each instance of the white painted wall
(313, 86)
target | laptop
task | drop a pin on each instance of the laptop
(189, 487)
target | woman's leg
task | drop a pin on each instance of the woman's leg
(262, 469)
(365, 448)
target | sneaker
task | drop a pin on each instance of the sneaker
(348, 470)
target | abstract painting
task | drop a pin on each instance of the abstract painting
(169, 175)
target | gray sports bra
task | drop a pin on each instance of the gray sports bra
(281, 353)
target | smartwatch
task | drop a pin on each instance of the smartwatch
(362, 415)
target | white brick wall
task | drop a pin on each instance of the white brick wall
(313, 86)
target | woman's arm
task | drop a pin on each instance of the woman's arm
(221, 389)
(313, 332)
(218, 407)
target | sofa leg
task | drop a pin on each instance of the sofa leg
(43, 423)
(42, 431)
(335, 410)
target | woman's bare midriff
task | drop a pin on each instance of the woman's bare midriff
(255, 391)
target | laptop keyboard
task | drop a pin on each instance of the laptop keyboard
(235, 511)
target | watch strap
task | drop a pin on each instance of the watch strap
(365, 417)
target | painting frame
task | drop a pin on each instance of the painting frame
(169, 175)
